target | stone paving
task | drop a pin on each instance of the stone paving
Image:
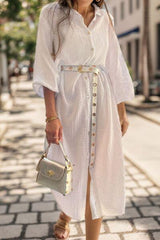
(28, 210)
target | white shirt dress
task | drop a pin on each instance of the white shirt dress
(96, 44)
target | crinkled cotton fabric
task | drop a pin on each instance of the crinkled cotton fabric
(96, 44)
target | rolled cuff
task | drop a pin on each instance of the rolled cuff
(38, 88)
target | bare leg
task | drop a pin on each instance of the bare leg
(92, 226)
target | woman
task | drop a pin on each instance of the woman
(76, 45)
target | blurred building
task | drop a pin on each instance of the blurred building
(128, 20)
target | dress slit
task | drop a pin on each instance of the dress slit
(94, 204)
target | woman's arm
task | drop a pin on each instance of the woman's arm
(117, 68)
(49, 102)
(46, 75)
(54, 127)
(123, 117)
(45, 68)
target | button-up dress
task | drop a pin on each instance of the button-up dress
(96, 44)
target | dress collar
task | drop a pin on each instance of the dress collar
(98, 10)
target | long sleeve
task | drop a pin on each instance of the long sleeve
(45, 70)
(119, 75)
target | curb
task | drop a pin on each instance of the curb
(133, 110)
(141, 105)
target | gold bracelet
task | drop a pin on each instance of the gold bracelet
(51, 118)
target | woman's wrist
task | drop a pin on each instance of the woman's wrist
(50, 118)
(121, 109)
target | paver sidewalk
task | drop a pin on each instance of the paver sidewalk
(28, 210)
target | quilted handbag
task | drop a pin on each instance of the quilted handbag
(53, 174)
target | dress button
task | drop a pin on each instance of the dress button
(92, 48)
(94, 104)
(92, 154)
(93, 124)
(93, 134)
(88, 32)
(93, 144)
(94, 94)
(94, 114)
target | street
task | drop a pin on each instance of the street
(29, 210)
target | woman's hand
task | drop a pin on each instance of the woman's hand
(53, 131)
(123, 117)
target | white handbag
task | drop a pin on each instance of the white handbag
(53, 174)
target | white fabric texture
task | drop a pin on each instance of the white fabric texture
(96, 44)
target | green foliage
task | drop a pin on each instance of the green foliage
(20, 40)
(10, 8)
(20, 29)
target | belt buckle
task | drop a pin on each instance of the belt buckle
(80, 68)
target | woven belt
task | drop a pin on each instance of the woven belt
(95, 70)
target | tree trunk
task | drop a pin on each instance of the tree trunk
(146, 70)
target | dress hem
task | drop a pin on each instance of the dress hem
(111, 213)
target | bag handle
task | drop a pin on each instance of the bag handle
(108, 15)
(62, 149)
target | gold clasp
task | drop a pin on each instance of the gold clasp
(50, 172)
(80, 68)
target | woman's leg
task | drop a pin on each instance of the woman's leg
(92, 226)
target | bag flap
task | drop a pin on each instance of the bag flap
(51, 169)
